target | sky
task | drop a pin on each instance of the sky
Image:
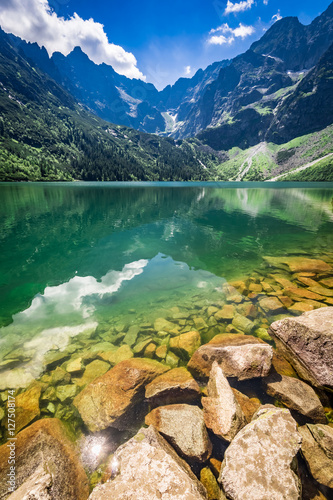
(158, 41)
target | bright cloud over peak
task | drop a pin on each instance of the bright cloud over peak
(238, 7)
(226, 35)
(34, 21)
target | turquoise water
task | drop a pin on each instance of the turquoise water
(79, 256)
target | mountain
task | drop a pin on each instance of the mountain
(46, 135)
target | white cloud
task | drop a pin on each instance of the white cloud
(238, 7)
(187, 70)
(34, 21)
(276, 17)
(265, 2)
(227, 35)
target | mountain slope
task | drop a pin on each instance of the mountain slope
(46, 135)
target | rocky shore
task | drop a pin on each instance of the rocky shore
(224, 400)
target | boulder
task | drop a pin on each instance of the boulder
(300, 264)
(240, 356)
(226, 313)
(242, 323)
(162, 324)
(260, 461)
(74, 365)
(147, 467)
(44, 449)
(118, 355)
(296, 293)
(93, 370)
(184, 427)
(27, 407)
(65, 392)
(296, 395)
(222, 413)
(307, 343)
(271, 305)
(174, 386)
(131, 335)
(317, 449)
(186, 344)
(105, 401)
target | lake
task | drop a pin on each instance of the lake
(92, 266)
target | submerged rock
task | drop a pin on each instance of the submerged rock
(106, 400)
(149, 468)
(43, 449)
(299, 264)
(185, 344)
(317, 449)
(209, 481)
(260, 461)
(93, 370)
(240, 356)
(249, 406)
(174, 386)
(296, 395)
(222, 413)
(184, 427)
(27, 407)
(307, 343)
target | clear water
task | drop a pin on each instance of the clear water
(75, 256)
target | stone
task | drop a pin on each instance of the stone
(131, 335)
(150, 350)
(215, 466)
(184, 427)
(307, 343)
(249, 406)
(101, 347)
(239, 285)
(2, 413)
(320, 290)
(301, 293)
(66, 392)
(247, 309)
(51, 408)
(53, 359)
(209, 481)
(255, 288)
(280, 365)
(106, 401)
(211, 310)
(226, 313)
(242, 323)
(174, 386)
(327, 282)
(259, 462)
(59, 376)
(240, 356)
(148, 468)
(74, 366)
(307, 281)
(37, 486)
(161, 351)
(271, 305)
(120, 354)
(222, 413)
(45, 444)
(27, 407)
(263, 334)
(186, 343)
(93, 370)
(141, 346)
(286, 301)
(200, 323)
(300, 264)
(317, 450)
(301, 307)
(296, 395)
(50, 394)
(172, 360)
(162, 324)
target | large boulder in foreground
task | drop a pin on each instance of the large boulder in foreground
(240, 356)
(106, 401)
(259, 462)
(307, 343)
(46, 464)
(147, 467)
(223, 414)
(174, 386)
(317, 449)
(296, 395)
(184, 427)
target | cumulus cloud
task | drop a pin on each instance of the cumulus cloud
(265, 2)
(276, 17)
(238, 7)
(187, 70)
(226, 35)
(35, 21)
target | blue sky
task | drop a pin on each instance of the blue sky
(156, 40)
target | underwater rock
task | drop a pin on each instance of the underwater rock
(172, 360)
(75, 365)
(105, 401)
(200, 323)
(45, 444)
(249, 406)
(131, 335)
(240, 356)
(66, 392)
(174, 386)
(59, 375)
(118, 355)
(161, 351)
(242, 323)
(141, 346)
(149, 352)
(271, 305)
(307, 343)
(259, 461)
(299, 264)
(296, 293)
(184, 427)
(296, 395)
(186, 343)
(149, 468)
(162, 324)
(222, 413)
(27, 407)
(209, 481)
(226, 313)
(317, 449)
(327, 282)
(93, 370)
